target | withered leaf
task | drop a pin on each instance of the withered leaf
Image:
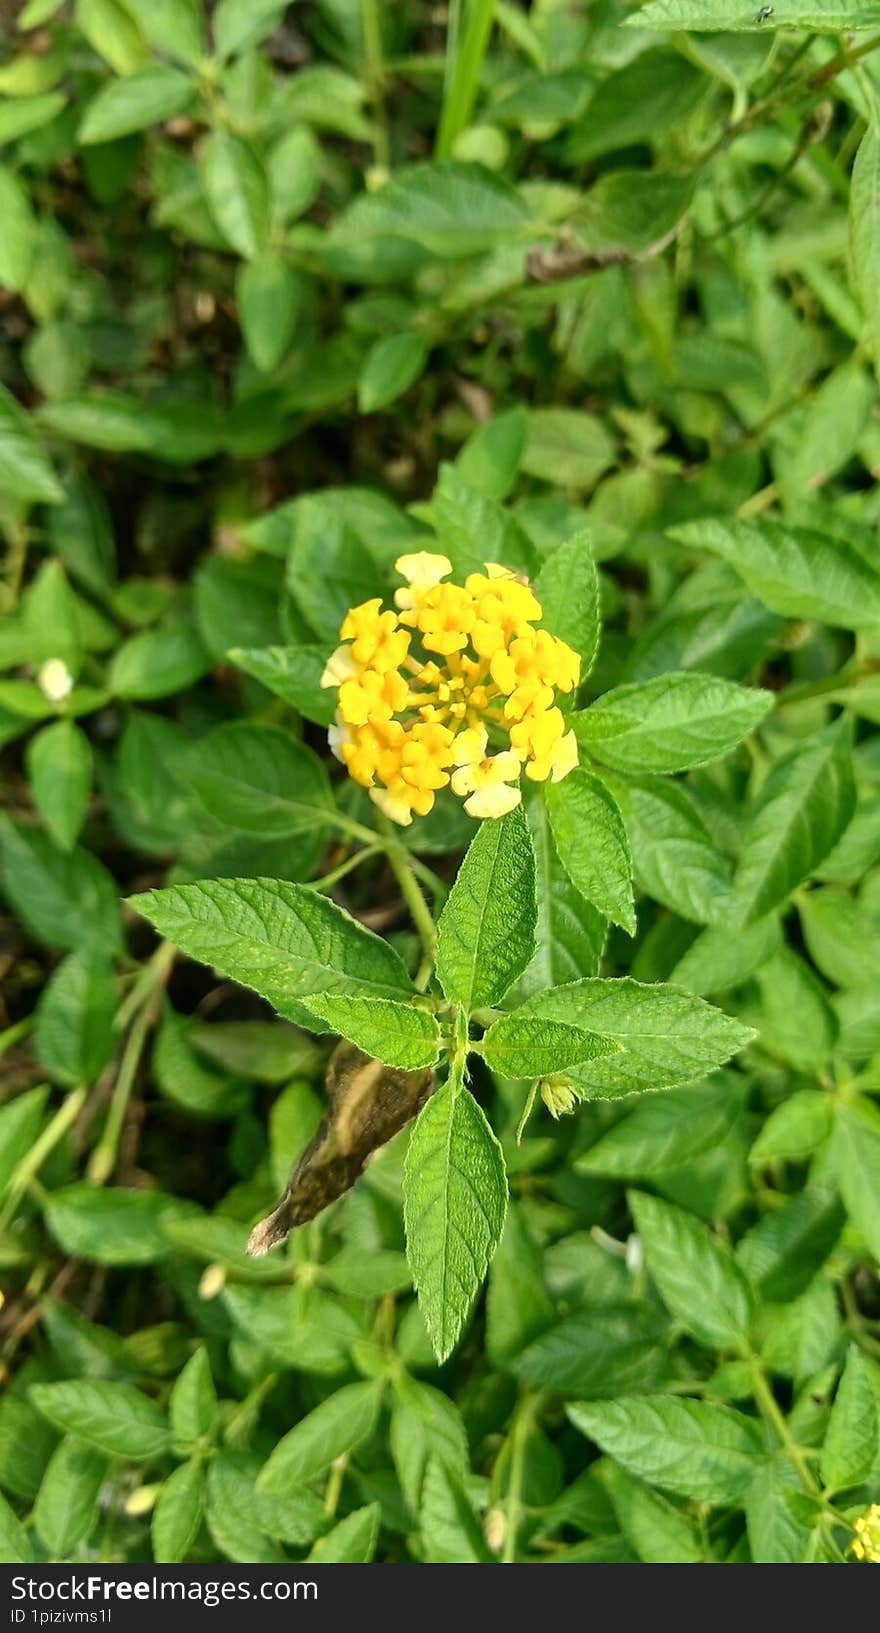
(367, 1103)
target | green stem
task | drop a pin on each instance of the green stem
(328, 880)
(374, 73)
(14, 1034)
(466, 48)
(139, 1004)
(517, 1439)
(26, 1172)
(400, 862)
(773, 1414)
(805, 691)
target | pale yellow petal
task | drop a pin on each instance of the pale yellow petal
(423, 567)
(494, 800)
(398, 810)
(463, 780)
(470, 746)
(504, 767)
(340, 666)
(55, 680)
(337, 734)
(565, 757)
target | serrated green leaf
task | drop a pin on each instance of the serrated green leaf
(592, 845)
(664, 1132)
(802, 810)
(568, 589)
(794, 571)
(832, 16)
(672, 723)
(699, 1280)
(113, 1417)
(68, 900)
(282, 940)
(258, 780)
(675, 857)
(703, 1452)
(530, 1046)
(338, 1425)
(853, 1429)
(114, 1225)
(351, 1542)
(396, 1033)
(667, 1037)
(455, 1199)
(486, 932)
(855, 1156)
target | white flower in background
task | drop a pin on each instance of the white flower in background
(55, 680)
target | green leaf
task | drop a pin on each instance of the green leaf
(114, 1225)
(148, 97)
(22, 114)
(450, 209)
(517, 1303)
(391, 366)
(16, 257)
(237, 191)
(338, 1425)
(450, 1530)
(67, 1502)
(630, 213)
(717, 960)
(592, 845)
(490, 458)
(855, 1156)
(75, 1037)
(21, 1120)
(486, 932)
(666, 1037)
(294, 673)
(784, 1249)
(797, 1020)
(795, 1129)
(425, 1424)
(780, 1516)
(25, 472)
(520, 1045)
(177, 1515)
(706, 1453)
(268, 291)
(567, 447)
(15, 1546)
(455, 1198)
(830, 16)
(113, 33)
(259, 780)
(59, 765)
(672, 723)
(193, 1402)
(158, 662)
(239, 23)
(794, 571)
(570, 932)
(660, 1533)
(675, 857)
(853, 1431)
(664, 1132)
(112, 1417)
(864, 232)
(282, 940)
(700, 1282)
(67, 900)
(803, 808)
(568, 589)
(601, 1350)
(390, 1031)
(351, 1542)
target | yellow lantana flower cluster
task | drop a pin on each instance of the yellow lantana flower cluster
(866, 1542)
(455, 687)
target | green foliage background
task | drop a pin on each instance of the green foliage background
(285, 291)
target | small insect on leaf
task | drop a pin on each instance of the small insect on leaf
(367, 1104)
(762, 15)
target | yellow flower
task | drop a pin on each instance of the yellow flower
(484, 776)
(866, 1542)
(456, 686)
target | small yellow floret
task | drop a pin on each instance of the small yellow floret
(866, 1542)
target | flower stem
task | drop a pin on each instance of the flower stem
(466, 48)
(32, 1162)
